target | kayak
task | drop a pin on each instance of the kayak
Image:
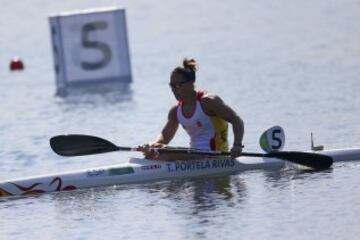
(138, 170)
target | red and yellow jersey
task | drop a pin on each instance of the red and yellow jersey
(206, 132)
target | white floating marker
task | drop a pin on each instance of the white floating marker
(90, 47)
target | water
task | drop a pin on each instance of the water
(277, 62)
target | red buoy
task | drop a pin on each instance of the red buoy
(16, 64)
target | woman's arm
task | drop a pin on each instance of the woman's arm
(168, 131)
(166, 135)
(214, 106)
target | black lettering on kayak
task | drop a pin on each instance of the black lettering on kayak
(200, 164)
(214, 164)
(170, 169)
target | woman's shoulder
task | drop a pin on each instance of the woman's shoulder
(173, 109)
(209, 102)
(208, 97)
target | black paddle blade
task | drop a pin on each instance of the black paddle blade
(79, 145)
(312, 160)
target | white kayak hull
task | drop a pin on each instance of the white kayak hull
(141, 171)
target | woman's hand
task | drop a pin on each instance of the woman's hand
(150, 150)
(236, 151)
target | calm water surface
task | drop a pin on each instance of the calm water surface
(295, 64)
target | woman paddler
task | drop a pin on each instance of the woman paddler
(203, 115)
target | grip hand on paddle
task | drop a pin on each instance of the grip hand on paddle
(150, 150)
(236, 151)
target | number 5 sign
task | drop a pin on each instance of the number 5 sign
(90, 47)
(273, 139)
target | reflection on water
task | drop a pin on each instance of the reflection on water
(107, 93)
(286, 177)
(206, 193)
(196, 194)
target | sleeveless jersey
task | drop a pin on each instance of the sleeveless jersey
(206, 132)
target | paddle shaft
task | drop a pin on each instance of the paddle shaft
(213, 153)
(79, 145)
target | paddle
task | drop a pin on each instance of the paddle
(79, 145)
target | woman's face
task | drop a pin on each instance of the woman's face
(180, 86)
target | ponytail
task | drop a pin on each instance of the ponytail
(188, 70)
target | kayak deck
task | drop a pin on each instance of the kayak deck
(139, 170)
